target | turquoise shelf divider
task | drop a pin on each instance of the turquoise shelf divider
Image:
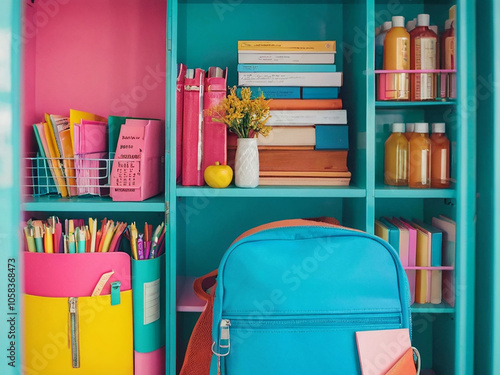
(10, 93)
(91, 204)
(442, 308)
(270, 191)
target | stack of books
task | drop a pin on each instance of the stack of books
(309, 141)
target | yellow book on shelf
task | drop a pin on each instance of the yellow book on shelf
(54, 160)
(287, 45)
(381, 231)
(76, 116)
(422, 261)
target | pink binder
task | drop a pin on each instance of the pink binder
(192, 132)
(75, 275)
(91, 142)
(181, 75)
(138, 169)
(214, 133)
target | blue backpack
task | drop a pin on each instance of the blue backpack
(290, 296)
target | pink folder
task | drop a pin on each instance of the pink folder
(73, 275)
(214, 133)
(139, 166)
(192, 132)
(91, 146)
(181, 75)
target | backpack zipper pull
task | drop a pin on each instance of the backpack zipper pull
(224, 343)
(73, 321)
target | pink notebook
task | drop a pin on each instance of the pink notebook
(214, 133)
(412, 256)
(192, 131)
(181, 75)
(379, 351)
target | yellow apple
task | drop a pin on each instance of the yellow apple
(218, 176)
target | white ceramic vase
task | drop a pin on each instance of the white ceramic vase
(246, 163)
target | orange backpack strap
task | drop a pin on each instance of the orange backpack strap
(199, 349)
(318, 221)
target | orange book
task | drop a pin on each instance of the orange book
(298, 160)
(285, 104)
(304, 181)
(68, 161)
(305, 174)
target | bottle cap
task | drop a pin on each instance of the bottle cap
(398, 21)
(447, 24)
(387, 25)
(423, 20)
(377, 30)
(398, 127)
(410, 25)
(421, 127)
(438, 127)
(410, 127)
(435, 29)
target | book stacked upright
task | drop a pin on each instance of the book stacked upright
(308, 144)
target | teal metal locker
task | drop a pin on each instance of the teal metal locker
(487, 326)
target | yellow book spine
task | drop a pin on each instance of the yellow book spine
(56, 164)
(287, 45)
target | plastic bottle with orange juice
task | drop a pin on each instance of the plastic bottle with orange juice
(419, 159)
(440, 157)
(397, 57)
(396, 157)
(410, 129)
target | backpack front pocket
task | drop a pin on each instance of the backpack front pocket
(294, 344)
(84, 335)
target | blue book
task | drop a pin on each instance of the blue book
(287, 68)
(393, 233)
(332, 137)
(436, 242)
(273, 92)
(320, 92)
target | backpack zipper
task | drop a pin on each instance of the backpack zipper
(74, 331)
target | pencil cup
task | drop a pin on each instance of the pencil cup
(148, 285)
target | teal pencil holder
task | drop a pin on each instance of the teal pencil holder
(148, 288)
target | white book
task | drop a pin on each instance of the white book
(311, 79)
(289, 136)
(261, 57)
(307, 117)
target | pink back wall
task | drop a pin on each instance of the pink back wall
(100, 56)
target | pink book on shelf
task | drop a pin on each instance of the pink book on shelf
(214, 133)
(138, 168)
(192, 131)
(181, 75)
(448, 227)
(91, 143)
(412, 256)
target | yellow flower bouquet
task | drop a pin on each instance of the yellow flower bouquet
(246, 117)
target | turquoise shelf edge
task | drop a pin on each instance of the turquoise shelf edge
(92, 204)
(441, 308)
(399, 105)
(405, 192)
(273, 192)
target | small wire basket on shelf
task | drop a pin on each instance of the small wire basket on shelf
(83, 175)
